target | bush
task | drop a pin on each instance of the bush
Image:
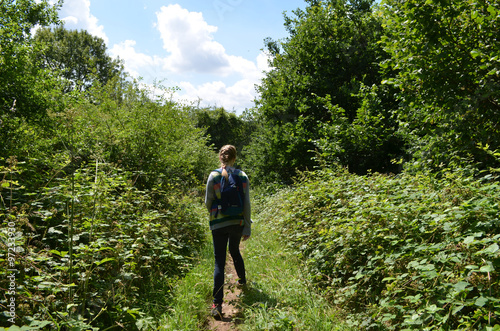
(142, 131)
(91, 250)
(401, 252)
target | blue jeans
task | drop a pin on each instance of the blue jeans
(221, 237)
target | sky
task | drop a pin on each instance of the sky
(212, 50)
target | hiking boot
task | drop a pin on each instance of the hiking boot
(217, 311)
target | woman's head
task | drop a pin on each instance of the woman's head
(227, 155)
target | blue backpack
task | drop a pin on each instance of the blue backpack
(232, 195)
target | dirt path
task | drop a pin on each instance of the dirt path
(230, 309)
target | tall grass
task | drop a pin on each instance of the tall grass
(191, 296)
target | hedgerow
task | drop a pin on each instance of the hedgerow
(101, 211)
(399, 252)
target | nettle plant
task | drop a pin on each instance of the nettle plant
(401, 252)
(95, 251)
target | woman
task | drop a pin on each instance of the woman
(227, 229)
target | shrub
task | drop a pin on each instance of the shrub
(400, 252)
(92, 250)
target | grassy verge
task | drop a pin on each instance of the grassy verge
(279, 295)
(191, 297)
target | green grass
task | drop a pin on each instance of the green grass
(191, 296)
(278, 296)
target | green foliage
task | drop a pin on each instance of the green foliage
(445, 55)
(24, 83)
(102, 190)
(331, 54)
(369, 143)
(403, 252)
(224, 127)
(92, 249)
(331, 49)
(439, 66)
(190, 295)
(268, 158)
(142, 131)
(77, 56)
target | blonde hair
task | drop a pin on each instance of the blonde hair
(227, 155)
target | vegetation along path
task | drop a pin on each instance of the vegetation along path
(278, 296)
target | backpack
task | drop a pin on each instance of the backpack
(232, 195)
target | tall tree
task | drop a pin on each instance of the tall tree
(446, 55)
(80, 57)
(332, 47)
(332, 51)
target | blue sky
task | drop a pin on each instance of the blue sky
(211, 50)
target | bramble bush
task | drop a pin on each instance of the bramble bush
(92, 250)
(406, 252)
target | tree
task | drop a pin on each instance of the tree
(223, 127)
(446, 57)
(80, 57)
(332, 51)
(23, 81)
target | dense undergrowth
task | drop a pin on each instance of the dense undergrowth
(398, 252)
(101, 209)
(93, 251)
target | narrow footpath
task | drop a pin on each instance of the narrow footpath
(231, 310)
(278, 295)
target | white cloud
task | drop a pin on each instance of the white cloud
(137, 64)
(238, 96)
(76, 15)
(189, 40)
(190, 49)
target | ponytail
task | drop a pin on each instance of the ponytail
(227, 155)
(224, 172)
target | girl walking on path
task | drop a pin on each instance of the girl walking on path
(227, 229)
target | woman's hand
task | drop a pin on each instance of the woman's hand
(245, 237)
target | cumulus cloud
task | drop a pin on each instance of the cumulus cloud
(189, 40)
(190, 49)
(237, 96)
(137, 64)
(76, 15)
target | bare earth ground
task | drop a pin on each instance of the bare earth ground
(231, 312)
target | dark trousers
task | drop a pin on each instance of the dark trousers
(221, 237)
